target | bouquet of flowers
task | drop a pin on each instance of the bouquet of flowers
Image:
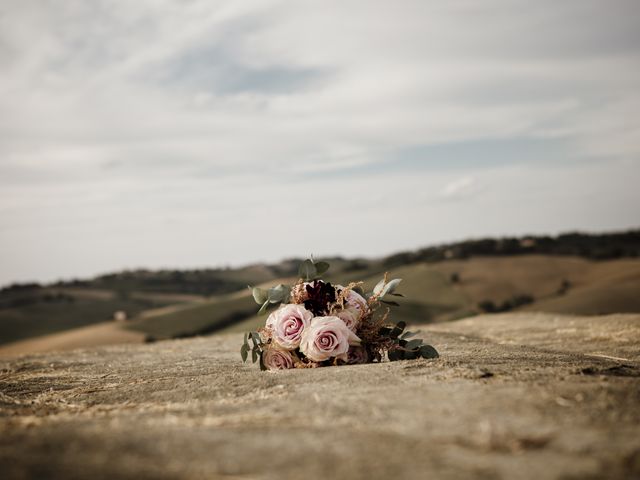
(317, 324)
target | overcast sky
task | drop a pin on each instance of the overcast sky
(209, 133)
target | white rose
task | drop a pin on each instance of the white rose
(327, 337)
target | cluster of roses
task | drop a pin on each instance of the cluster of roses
(319, 328)
(319, 324)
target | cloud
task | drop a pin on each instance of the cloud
(459, 188)
(197, 126)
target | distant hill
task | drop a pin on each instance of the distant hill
(449, 290)
(570, 273)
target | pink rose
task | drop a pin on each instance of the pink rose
(350, 316)
(287, 324)
(327, 337)
(356, 301)
(276, 359)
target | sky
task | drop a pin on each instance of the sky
(183, 134)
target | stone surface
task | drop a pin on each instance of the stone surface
(512, 396)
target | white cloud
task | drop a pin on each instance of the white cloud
(200, 122)
(460, 188)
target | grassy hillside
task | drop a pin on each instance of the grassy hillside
(39, 312)
(198, 319)
(571, 273)
(434, 292)
(595, 287)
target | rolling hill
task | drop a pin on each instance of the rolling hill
(572, 273)
(596, 287)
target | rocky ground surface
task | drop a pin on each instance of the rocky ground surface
(512, 396)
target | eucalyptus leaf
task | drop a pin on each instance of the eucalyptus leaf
(391, 286)
(262, 365)
(395, 332)
(321, 267)
(307, 270)
(377, 290)
(427, 351)
(278, 294)
(413, 344)
(264, 307)
(384, 331)
(411, 354)
(244, 351)
(254, 356)
(408, 334)
(255, 338)
(259, 295)
(394, 355)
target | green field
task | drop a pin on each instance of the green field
(199, 319)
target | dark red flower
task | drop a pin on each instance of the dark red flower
(320, 296)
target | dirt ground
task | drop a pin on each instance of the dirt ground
(527, 396)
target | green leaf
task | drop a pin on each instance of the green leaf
(397, 330)
(259, 295)
(394, 355)
(245, 339)
(244, 351)
(413, 344)
(255, 338)
(264, 307)
(427, 351)
(377, 290)
(321, 267)
(254, 355)
(408, 334)
(279, 293)
(391, 286)
(307, 270)
(262, 365)
(411, 354)
(384, 331)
